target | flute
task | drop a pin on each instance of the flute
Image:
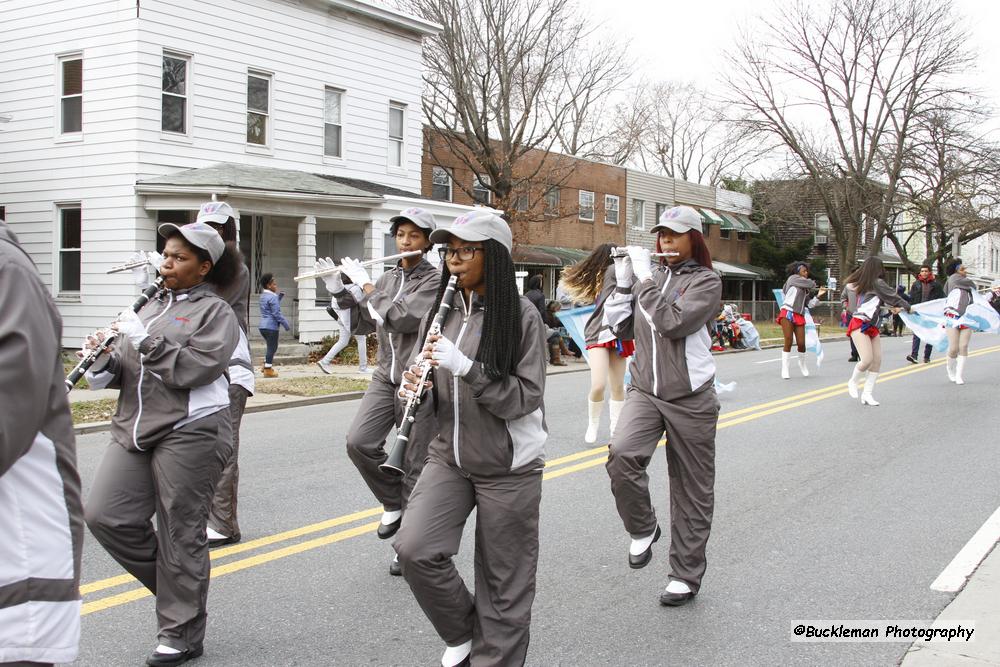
(81, 368)
(393, 464)
(371, 262)
(623, 252)
(127, 266)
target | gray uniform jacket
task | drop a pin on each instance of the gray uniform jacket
(491, 427)
(958, 291)
(41, 514)
(178, 374)
(238, 298)
(396, 310)
(597, 329)
(850, 298)
(796, 290)
(885, 295)
(670, 315)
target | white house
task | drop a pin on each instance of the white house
(304, 115)
(982, 257)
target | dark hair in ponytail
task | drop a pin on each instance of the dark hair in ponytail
(500, 344)
(224, 271)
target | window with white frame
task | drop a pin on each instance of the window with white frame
(397, 123)
(586, 205)
(551, 201)
(440, 183)
(611, 209)
(174, 93)
(638, 214)
(258, 108)
(333, 128)
(71, 94)
(481, 192)
(660, 208)
(821, 228)
(70, 232)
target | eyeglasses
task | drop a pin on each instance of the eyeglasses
(465, 253)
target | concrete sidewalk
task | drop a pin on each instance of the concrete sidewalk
(979, 602)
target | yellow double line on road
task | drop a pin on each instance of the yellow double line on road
(556, 468)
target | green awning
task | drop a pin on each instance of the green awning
(543, 255)
(711, 217)
(730, 221)
(747, 223)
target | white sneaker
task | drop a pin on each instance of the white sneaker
(323, 367)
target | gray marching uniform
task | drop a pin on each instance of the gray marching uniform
(597, 330)
(222, 516)
(396, 310)
(884, 294)
(41, 523)
(489, 457)
(672, 390)
(958, 293)
(796, 291)
(171, 436)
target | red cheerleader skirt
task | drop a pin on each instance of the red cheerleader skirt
(794, 318)
(864, 327)
(952, 316)
(625, 348)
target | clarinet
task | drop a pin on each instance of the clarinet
(394, 462)
(81, 368)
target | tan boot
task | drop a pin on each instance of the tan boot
(269, 372)
(555, 357)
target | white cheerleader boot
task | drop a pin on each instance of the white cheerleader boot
(852, 384)
(784, 364)
(614, 409)
(594, 414)
(866, 395)
(803, 366)
(959, 367)
(950, 367)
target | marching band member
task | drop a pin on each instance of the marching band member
(395, 306)
(799, 293)
(673, 376)
(489, 382)
(171, 434)
(959, 290)
(872, 292)
(592, 280)
(41, 525)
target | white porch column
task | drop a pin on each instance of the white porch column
(306, 288)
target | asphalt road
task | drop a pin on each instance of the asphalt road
(825, 509)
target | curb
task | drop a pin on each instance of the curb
(98, 427)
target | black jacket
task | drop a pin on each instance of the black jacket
(916, 293)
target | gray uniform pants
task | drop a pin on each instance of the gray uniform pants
(174, 480)
(690, 424)
(498, 617)
(379, 412)
(222, 516)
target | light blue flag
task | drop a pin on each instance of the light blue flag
(813, 343)
(575, 320)
(928, 322)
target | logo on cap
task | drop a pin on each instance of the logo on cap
(462, 219)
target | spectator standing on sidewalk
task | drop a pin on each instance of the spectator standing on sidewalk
(927, 288)
(342, 316)
(270, 319)
(535, 295)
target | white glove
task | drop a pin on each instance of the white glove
(131, 327)
(356, 272)
(91, 343)
(623, 272)
(640, 258)
(450, 357)
(140, 274)
(333, 281)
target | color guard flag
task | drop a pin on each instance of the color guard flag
(812, 334)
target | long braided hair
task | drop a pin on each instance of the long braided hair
(500, 343)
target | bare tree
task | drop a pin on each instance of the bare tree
(840, 87)
(509, 78)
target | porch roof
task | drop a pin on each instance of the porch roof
(740, 271)
(543, 255)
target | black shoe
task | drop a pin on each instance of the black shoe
(394, 569)
(854, 359)
(166, 659)
(385, 531)
(675, 599)
(642, 560)
(220, 541)
(927, 360)
(912, 359)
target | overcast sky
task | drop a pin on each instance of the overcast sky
(684, 41)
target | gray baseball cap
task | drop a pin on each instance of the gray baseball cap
(680, 219)
(418, 216)
(199, 234)
(478, 225)
(217, 212)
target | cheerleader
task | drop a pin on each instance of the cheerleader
(959, 290)
(393, 306)
(670, 308)
(171, 434)
(872, 292)
(489, 382)
(799, 293)
(592, 280)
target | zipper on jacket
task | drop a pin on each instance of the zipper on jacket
(458, 339)
(652, 327)
(392, 349)
(142, 372)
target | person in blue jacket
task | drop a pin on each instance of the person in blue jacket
(270, 319)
